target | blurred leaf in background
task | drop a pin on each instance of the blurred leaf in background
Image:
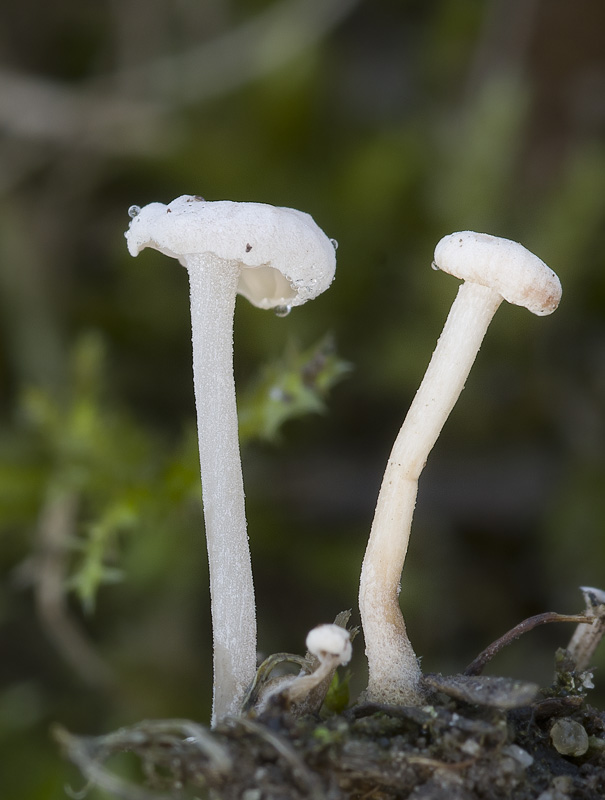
(292, 387)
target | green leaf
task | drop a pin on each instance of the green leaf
(337, 698)
(92, 570)
(291, 387)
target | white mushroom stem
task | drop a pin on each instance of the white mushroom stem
(394, 671)
(299, 689)
(213, 283)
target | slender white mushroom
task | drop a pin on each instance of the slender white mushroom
(492, 269)
(276, 258)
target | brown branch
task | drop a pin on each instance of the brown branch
(476, 667)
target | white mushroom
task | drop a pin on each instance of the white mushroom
(331, 644)
(276, 258)
(493, 269)
(328, 642)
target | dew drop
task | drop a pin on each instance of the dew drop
(334, 243)
(134, 211)
(282, 311)
(435, 267)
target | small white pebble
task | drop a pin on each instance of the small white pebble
(471, 747)
(519, 754)
(569, 737)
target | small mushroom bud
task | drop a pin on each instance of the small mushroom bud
(331, 644)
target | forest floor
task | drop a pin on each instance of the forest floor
(475, 738)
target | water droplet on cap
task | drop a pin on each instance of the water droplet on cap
(134, 211)
(334, 243)
(282, 311)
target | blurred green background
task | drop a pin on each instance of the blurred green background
(392, 122)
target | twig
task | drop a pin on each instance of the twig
(263, 673)
(77, 750)
(476, 667)
(169, 742)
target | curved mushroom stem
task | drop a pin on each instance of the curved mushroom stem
(394, 672)
(299, 689)
(213, 284)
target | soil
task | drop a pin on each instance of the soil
(475, 738)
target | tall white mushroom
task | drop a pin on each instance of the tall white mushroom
(493, 270)
(276, 258)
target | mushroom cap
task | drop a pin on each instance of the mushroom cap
(503, 265)
(331, 640)
(286, 258)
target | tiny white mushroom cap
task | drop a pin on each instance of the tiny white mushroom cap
(286, 258)
(510, 269)
(593, 596)
(330, 640)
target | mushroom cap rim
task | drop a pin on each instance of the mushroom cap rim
(285, 257)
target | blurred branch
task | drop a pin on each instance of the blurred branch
(56, 529)
(171, 751)
(252, 50)
(31, 327)
(37, 108)
(504, 41)
(78, 751)
(107, 114)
